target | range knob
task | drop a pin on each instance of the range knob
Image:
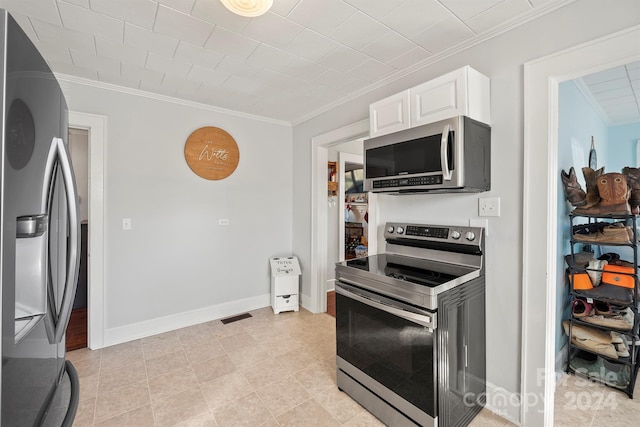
(455, 234)
(390, 229)
(470, 236)
(400, 230)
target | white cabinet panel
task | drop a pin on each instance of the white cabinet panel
(389, 115)
(463, 92)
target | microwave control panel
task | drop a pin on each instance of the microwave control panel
(408, 182)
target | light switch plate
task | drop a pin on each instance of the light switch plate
(126, 224)
(223, 221)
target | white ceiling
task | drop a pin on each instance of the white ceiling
(614, 93)
(290, 64)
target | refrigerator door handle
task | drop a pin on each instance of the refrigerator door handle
(62, 160)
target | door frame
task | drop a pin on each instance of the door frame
(342, 159)
(540, 210)
(97, 136)
(319, 206)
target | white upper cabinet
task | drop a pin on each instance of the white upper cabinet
(463, 92)
(390, 114)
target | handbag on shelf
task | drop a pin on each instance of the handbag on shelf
(619, 275)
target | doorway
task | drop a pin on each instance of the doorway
(541, 80)
(76, 335)
(95, 126)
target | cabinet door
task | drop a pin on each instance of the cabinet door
(438, 99)
(389, 115)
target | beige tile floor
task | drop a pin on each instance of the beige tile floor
(267, 370)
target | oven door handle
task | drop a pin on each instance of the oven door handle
(428, 321)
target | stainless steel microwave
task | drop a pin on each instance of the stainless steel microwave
(452, 155)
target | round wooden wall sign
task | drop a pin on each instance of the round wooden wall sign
(211, 153)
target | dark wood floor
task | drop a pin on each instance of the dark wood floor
(77, 330)
(331, 303)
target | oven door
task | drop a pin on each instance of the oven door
(390, 348)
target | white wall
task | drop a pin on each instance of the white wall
(177, 265)
(502, 59)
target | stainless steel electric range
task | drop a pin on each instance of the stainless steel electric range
(410, 326)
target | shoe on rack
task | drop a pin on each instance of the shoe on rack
(593, 197)
(609, 293)
(633, 181)
(602, 307)
(621, 349)
(612, 233)
(581, 308)
(613, 374)
(623, 320)
(572, 190)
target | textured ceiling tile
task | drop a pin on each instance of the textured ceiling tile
(93, 62)
(207, 75)
(465, 9)
(182, 26)
(270, 57)
(272, 29)
(184, 6)
(311, 45)
(120, 52)
(340, 81)
(633, 65)
(609, 85)
(215, 13)
(153, 42)
(615, 93)
(304, 69)
(409, 59)
(72, 39)
(284, 7)
(443, 34)
(407, 22)
(179, 85)
(80, 19)
(73, 70)
(197, 55)
(44, 10)
(606, 75)
(376, 9)
(242, 85)
(82, 3)
(135, 72)
(358, 31)
(55, 52)
(238, 67)
(372, 70)
(343, 59)
(25, 23)
(390, 45)
(167, 65)
(138, 12)
(498, 14)
(230, 43)
(117, 79)
(322, 16)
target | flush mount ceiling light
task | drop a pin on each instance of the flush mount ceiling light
(250, 8)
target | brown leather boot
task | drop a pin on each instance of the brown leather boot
(633, 181)
(593, 197)
(614, 194)
(572, 190)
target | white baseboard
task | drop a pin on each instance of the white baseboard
(169, 323)
(503, 403)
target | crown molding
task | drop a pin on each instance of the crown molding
(507, 26)
(591, 100)
(164, 98)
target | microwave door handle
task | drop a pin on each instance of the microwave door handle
(444, 153)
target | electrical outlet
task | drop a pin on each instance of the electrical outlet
(489, 206)
(223, 221)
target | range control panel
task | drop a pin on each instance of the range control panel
(451, 234)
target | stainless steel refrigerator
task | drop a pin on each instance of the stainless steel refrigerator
(39, 243)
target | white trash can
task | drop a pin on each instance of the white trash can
(285, 284)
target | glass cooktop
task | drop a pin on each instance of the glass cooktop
(415, 270)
